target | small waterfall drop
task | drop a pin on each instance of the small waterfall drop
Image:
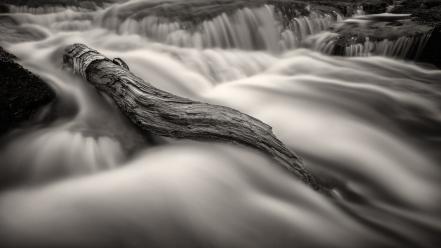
(404, 47)
(247, 28)
(48, 9)
(65, 20)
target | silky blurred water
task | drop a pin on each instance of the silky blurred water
(89, 178)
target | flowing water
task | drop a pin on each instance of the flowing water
(86, 177)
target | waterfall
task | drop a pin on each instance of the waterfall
(263, 28)
(405, 47)
(324, 42)
(86, 177)
(65, 20)
(355, 119)
(247, 28)
(47, 9)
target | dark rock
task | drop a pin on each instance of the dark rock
(423, 11)
(380, 30)
(21, 93)
(432, 51)
(4, 8)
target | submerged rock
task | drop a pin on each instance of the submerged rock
(22, 93)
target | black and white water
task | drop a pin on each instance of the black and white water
(88, 178)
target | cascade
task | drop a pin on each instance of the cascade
(247, 28)
(404, 47)
(43, 9)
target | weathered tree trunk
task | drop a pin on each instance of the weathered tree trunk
(165, 114)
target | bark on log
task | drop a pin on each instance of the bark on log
(165, 114)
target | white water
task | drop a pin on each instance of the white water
(41, 10)
(257, 28)
(88, 179)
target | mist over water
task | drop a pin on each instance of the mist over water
(88, 178)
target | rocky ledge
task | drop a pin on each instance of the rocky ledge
(22, 93)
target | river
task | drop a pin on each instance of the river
(88, 178)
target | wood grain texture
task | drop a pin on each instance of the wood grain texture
(165, 114)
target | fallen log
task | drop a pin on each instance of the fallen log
(165, 114)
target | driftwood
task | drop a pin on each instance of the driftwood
(165, 114)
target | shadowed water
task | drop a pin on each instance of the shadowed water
(88, 178)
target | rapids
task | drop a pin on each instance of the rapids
(86, 177)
